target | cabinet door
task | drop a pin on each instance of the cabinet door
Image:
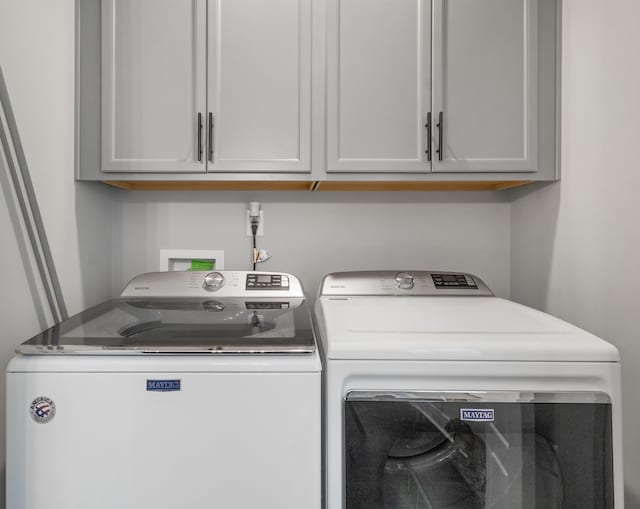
(485, 85)
(259, 86)
(378, 85)
(153, 85)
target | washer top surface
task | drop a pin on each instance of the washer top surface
(223, 312)
(368, 316)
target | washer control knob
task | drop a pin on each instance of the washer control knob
(404, 280)
(213, 281)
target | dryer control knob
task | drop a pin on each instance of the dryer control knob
(404, 280)
(213, 281)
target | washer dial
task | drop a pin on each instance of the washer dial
(213, 281)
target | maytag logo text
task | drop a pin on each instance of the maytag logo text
(477, 414)
(163, 385)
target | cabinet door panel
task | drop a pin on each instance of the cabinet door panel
(153, 79)
(378, 85)
(485, 83)
(260, 85)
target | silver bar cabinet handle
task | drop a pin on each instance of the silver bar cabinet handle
(200, 137)
(440, 126)
(428, 127)
(210, 137)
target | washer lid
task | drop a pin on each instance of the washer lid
(453, 328)
(125, 326)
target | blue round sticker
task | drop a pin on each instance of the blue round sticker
(43, 409)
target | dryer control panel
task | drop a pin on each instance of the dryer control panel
(403, 282)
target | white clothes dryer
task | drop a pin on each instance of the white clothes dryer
(441, 395)
(191, 390)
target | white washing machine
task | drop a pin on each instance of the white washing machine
(441, 395)
(192, 390)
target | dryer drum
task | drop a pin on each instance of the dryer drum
(450, 477)
(416, 456)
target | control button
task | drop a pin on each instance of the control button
(404, 281)
(213, 281)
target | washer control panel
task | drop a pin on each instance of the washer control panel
(453, 281)
(221, 284)
(267, 282)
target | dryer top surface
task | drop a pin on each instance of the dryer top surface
(452, 328)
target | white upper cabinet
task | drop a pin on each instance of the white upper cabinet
(153, 85)
(378, 85)
(485, 85)
(259, 83)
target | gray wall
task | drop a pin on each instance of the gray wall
(36, 54)
(576, 245)
(313, 234)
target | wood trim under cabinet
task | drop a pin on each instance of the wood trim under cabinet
(316, 185)
(182, 185)
(460, 185)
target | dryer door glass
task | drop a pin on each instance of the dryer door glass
(501, 451)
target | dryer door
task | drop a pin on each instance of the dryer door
(478, 451)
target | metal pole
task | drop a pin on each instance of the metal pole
(29, 207)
